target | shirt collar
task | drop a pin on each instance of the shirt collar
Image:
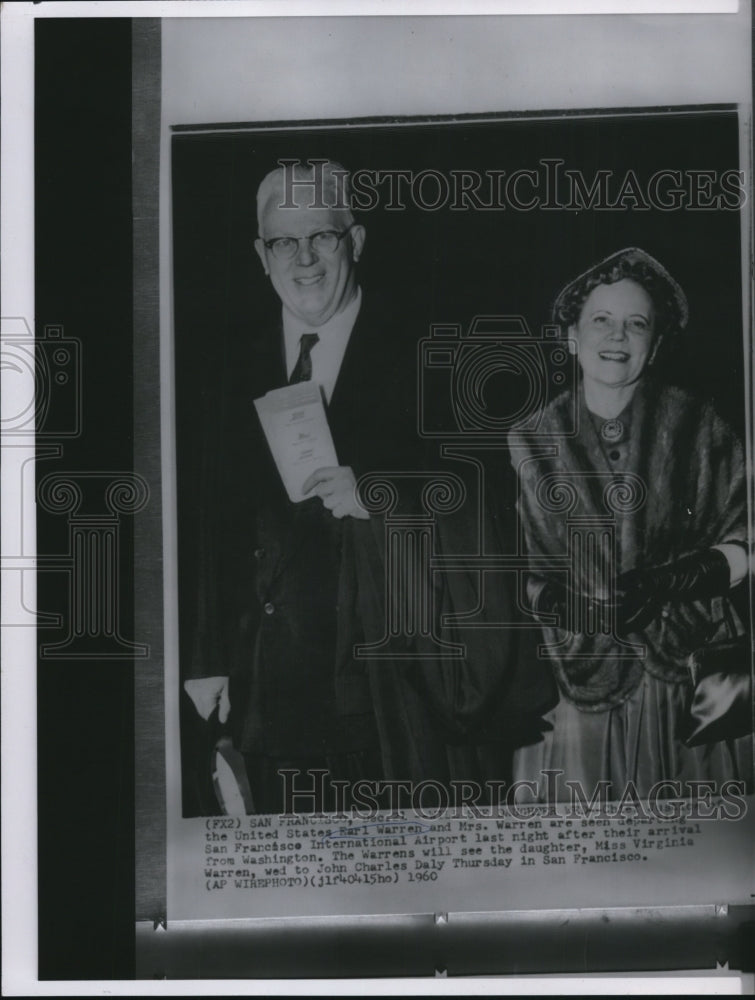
(337, 326)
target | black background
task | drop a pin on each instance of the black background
(85, 713)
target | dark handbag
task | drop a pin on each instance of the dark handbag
(721, 707)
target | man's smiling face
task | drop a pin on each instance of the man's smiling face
(315, 286)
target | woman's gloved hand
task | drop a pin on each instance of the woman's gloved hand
(640, 594)
(548, 598)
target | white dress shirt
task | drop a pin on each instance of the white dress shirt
(328, 352)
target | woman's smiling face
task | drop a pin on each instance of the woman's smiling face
(615, 334)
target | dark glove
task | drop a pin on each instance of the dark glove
(636, 600)
(640, 594)
(702, 574)
(547, 597)
(550, 598)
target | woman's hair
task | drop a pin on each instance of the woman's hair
(669, 301)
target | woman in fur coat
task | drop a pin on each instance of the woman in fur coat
(636, 531)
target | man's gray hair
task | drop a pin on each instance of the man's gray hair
(310, 184)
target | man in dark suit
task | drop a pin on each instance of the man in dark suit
(277, 607)
(288, 589)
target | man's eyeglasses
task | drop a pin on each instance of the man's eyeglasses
(287, 247)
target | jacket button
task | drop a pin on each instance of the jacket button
(269, 608)
(259, 553)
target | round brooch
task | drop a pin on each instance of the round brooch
(612, 431)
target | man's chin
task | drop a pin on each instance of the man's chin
(313, 314)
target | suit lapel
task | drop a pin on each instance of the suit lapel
(354, 389)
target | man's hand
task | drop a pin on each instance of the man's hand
(337, 488)
(206, 693)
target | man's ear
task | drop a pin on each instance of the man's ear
(358, 236)
(572, 341)
(259, 246)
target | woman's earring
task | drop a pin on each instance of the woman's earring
(654, 351)
(571, 343)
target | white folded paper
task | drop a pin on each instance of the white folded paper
(296, 427)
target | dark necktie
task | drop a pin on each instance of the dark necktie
(303, 368)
